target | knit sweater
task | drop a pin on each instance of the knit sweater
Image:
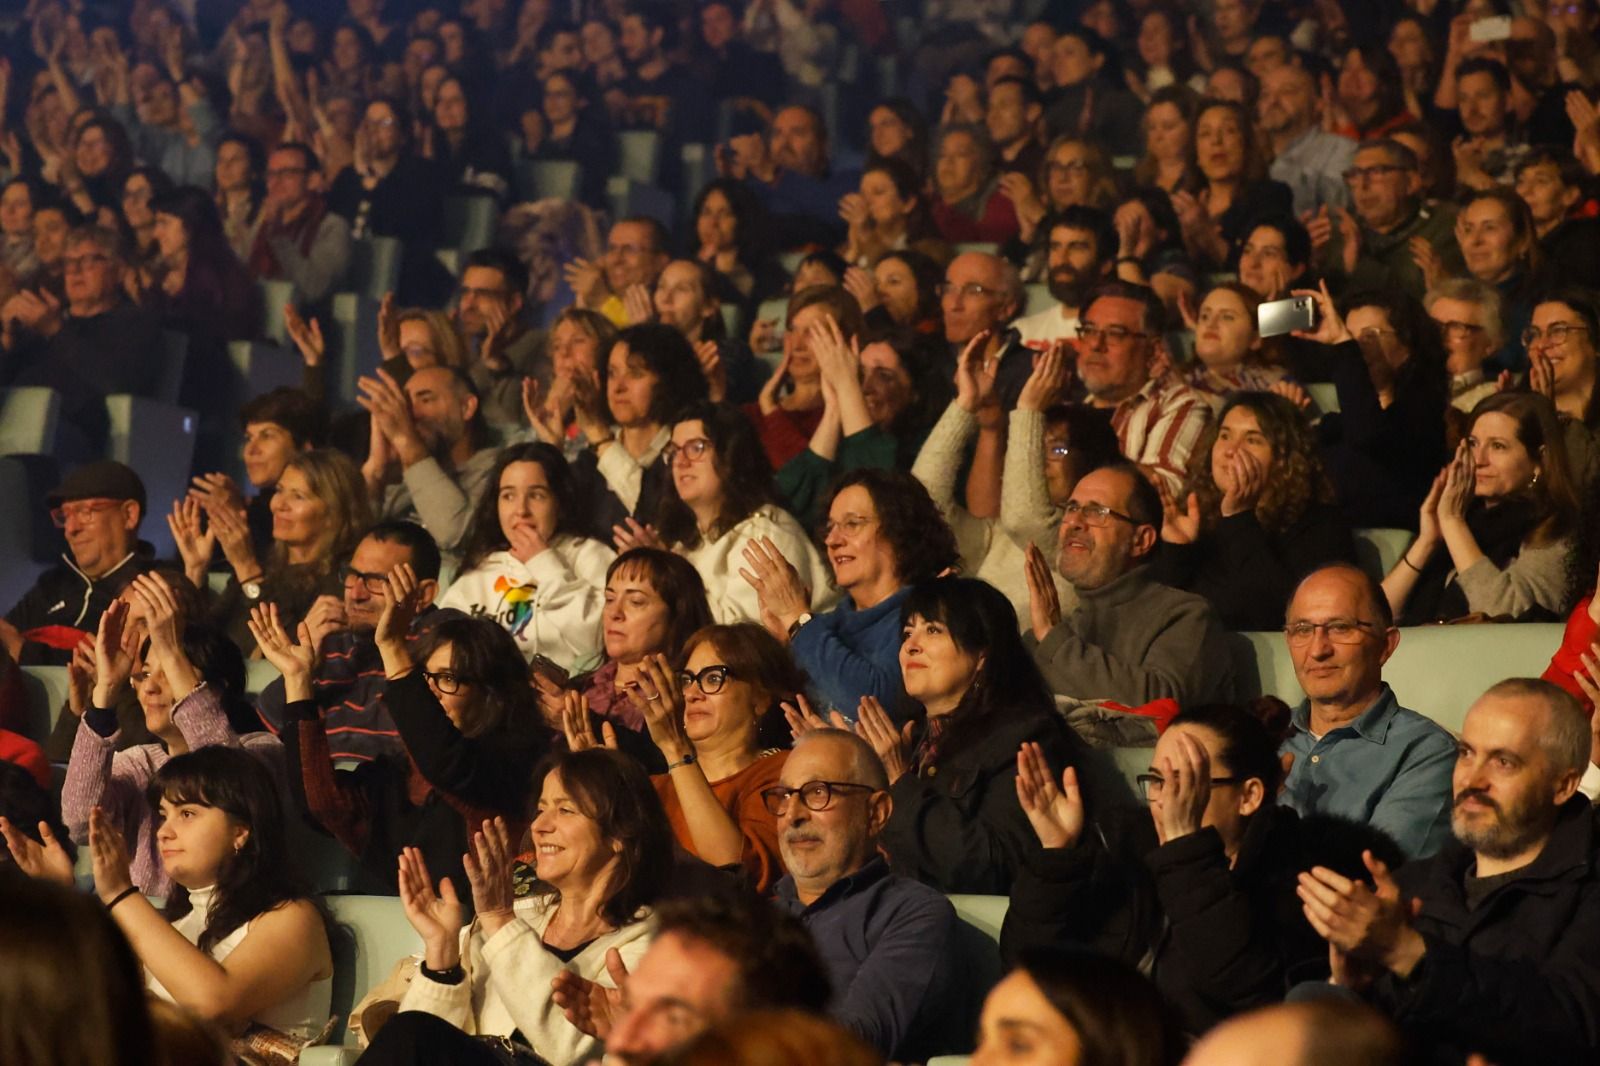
(507, 987)
(1132, 641)
(550, 604)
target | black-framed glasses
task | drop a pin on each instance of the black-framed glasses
(1097, 515)
(377, 584)
(1116, 336)
(1360, 174)
(710, 679)
(1556, 334)
(446, 681)
(1339, 630)
(693, 450)
(1150, 785)
(816, 795)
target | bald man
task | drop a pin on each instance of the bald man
(1322, 1032)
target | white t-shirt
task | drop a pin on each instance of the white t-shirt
(1038, 331)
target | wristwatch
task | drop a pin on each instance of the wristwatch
(251, 590)
(795, 626)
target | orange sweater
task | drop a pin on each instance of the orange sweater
(741, 798)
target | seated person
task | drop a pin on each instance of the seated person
(967, 202)
(1500, 947)
(791, 404)
(490, 304)
(706, 720)
(889, 942)
(1357, 752)
(468, 727)
(883, 535)
(1504, 511)
(638, 249)
(654, 601)
(185, 687)
(97, 344)
(1170, 646)
(720, 498)
(1468, 314)
(956, 823)
(580, 343)
(686, 297)
(236, 958)
(1258, 512)
(1228, 350)
(294, 236)
(525, 565)
(625, 416)
(602, 857)
(1202, 883)
(99, 506)
(430, 458)
(347, 684)
(319, 510)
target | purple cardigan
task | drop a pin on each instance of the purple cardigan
(99, 775)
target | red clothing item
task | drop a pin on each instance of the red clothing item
(997, 224)
(784, 434)
(14, 747)
(1578, 640)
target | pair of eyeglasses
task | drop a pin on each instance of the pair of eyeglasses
(816, 795)
(1355, 175)
(1057, 452)
(1097, 515)
(377, 584)
(446, 681)
(849, 526)
(1061, 170)
(1339, 630)
(710, 679)
(692, 450)
(1116, 336)
(84, 262)
(1150, 785)
(1556, 334)
(82, 511)
(1459, 329)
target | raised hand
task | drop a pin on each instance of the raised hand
(195, 539)
(1044, 603)
(1292, 392)
(388, 320)
(46, 861)
(80, 676)
(402, 599)
(777, 585)
(975, 373)
(1179, 808)
(488, 867)
(1588, 679)
(708, 354)
(1052, 373)
(768, 399)
(591, 1007)
(1246, 480)
(638, 305)
(1459, 485)
(390, 408)
(860, 284)
(893, 746)
(436, 916)
(657, 692)
(1330, 329)
(216, 490)
(587, 281)
(1056, 814)
(1179, 525)
(578, 728)
(1369, 924)
(232, 532)
(803, 719)
(544, 423)
(113, 655)
(306, 335)
(1542, 375)
(297, 662)
(108, 853)
(631, 533)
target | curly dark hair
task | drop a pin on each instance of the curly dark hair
(484, 534)
(1297, 478)
(908, 519)
(613, 789)
(739, 460)
(667, 354)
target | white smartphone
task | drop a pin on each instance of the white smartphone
(1277, 317)
(1496, 28)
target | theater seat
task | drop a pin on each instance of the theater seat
(629, 198)
(258, 674)
(374, 266)
(1379, 550)
(986, 247)
(28, 418)
(639, 156)
(47, 695)
(275, 296)
(1038, 299)
(468, 222)
(978, 948)
(27, 539)
(1436, 670)
(541, 179)
(157, 440)
(379, 936)
(1323, 396)
(168, 378)
(352, 345)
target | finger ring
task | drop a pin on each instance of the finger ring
(652, 699)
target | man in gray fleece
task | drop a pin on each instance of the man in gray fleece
(1131, 640)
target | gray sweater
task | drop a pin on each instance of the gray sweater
(1134, 641)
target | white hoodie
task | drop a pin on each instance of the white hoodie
(550, 604)
(731, 597)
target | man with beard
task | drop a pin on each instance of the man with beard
(430, 456)
(1490, 946)
(489, 305)
(789, 171)
(889, 942)
(1305, 157)
(1082, 242)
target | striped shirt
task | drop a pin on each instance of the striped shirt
(1159, 426)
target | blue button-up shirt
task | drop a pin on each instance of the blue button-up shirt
(1313, 167)
(890, 945)
(1389, 768)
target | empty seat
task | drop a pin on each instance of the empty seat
(1324, 397)
(699, 167)
(378, 937)
(169, 375)
(157, 440)
(26, 538)
(352, 338)
(28, 418)
(639, 155)
(374, 266)
(629, 198)
(275, 296)
(539, 179)
(47, 695)
(468, 222)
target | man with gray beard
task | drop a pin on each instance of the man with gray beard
(889, 943)
(1492, 946)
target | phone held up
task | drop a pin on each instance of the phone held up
(1277, 317)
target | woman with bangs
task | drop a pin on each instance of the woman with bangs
(976, 697)
(465, 713)
(1259, 513)
(602, 856)
(319, 510)
(525, 565)
(240, 942)
(185, 678)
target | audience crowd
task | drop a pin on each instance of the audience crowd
(741, 478)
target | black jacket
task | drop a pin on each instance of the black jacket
(1217, 940)
(1518, 977)
(66, 600)
(957, 825)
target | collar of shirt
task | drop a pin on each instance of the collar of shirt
(1465, 380)
(874, 871)
(1371, 724)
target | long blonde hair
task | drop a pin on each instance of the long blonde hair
(335, 481)
(447, 343)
